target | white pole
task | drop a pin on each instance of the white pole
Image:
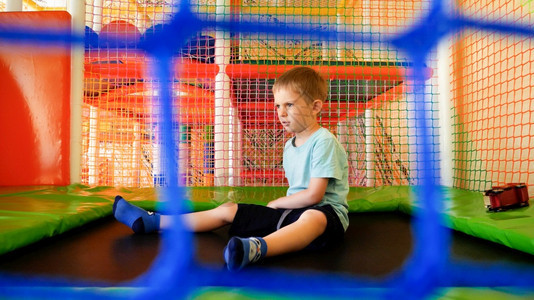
(224, 119)
(444, 62)
(135, 174)
(92, 146)
(14, 5)
(370, 171)
(77, 10)
(340, 46)
(89, 11)
(444, 99)
(97, 15)
(221, 128)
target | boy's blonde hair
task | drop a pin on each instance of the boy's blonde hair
(303, 81)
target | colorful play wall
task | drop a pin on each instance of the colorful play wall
(227, 130)
(226, 124)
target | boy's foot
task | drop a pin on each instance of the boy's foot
(241, 252)
(140, 220)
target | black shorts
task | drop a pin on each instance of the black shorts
(257, 220)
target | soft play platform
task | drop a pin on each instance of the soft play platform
(30, 214)
(69, 232)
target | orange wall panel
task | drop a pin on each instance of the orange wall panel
(35, 105)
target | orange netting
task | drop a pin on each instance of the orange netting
(493, 100)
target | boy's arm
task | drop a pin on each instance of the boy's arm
(310, 196)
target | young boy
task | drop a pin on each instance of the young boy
(312, 215)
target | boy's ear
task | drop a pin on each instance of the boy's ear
(317, 106)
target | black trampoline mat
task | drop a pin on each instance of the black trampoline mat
(376, 245)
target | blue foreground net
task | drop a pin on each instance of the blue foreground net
(174, 273)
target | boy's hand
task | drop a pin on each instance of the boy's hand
(308, 197)
(274, 203)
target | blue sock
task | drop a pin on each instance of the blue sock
(242, 251)
(140, 220)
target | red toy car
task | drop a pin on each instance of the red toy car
(511, 195)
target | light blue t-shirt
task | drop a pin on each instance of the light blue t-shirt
(321, 156)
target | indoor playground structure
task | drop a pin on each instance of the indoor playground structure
(169, 104)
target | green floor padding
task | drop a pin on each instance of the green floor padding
(513, 228)
(29, 214)
(232, 293)
(471, 293)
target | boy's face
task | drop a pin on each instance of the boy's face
(295, 112)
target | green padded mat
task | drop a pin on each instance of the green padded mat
(233, 293)
(29, 214)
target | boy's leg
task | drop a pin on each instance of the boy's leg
(294, 237)
(298, 235)
(208, 220)
(142, 221)
(240, 252)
